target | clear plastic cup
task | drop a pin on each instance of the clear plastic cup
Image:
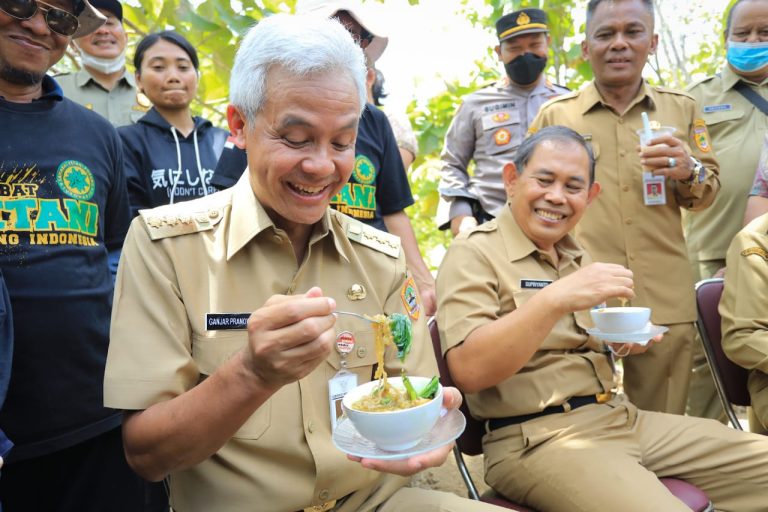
(658, 132)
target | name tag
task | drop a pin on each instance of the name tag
(226, 321)
(534, 284)
(708, 109)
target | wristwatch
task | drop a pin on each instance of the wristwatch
(698, 173)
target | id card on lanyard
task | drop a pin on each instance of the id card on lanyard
(344, 380)
(654, 189)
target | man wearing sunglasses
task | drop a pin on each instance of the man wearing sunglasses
(103, 84)
(63, 215)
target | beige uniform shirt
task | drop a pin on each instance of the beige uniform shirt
(744, 309)
(618, 227)
(737, 129)
(488, 273)
(120, 105)
(223, 255)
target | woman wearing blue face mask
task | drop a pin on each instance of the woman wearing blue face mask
(732, 107)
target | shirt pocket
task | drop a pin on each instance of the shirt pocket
(361, 359)
(210, 352)
(501, 131)
(715, 118)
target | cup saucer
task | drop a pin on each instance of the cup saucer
(640, 337)
(348, 440)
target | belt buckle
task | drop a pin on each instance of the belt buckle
(328, 505)
(604, 397)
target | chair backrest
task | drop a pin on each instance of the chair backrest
(470, 442)
(730, 378)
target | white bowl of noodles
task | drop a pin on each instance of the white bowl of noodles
(395, 429)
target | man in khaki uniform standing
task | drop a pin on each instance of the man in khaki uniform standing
(512, 330)
(737, 126)
(745, 317)
(103, 84)
(223, 345)
(631, 224)
(491, 123)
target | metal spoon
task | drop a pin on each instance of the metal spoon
(357, 315)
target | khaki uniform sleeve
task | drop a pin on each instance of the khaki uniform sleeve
(742, 307)
(467, 294)
(696, 195)
(150, 356)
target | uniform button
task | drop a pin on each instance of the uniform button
(311, 426)
(632, 256)
(361, 351)
(628, 222)
(622, 153)
(324, 495)
(625, 188)
(621, 120)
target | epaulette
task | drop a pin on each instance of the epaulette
(485, 227)
(181, 219)
(562, 97)
(552, 85)
(678, 92)
(700, 81)
(371, 237)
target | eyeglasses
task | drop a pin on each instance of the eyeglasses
(60, 21)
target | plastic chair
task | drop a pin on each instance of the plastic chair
(730, 378)
(471, 443)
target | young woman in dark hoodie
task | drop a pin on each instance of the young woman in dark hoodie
(170, 155)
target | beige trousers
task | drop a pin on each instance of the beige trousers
(609, 457)
(658, 379)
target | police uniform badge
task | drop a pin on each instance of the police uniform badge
(523, 19)
(502, 136)
(701, 136)
(411, 299)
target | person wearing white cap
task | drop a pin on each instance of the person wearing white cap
(63, 216)
(103, 84)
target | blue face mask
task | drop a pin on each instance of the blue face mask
(747, 57)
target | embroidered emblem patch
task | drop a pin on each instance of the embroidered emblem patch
(411, 299)
(523, 19)
(75, 179)
(502, 136)
(364, 171)
(500, 117)
(700, 136)
(756, 250)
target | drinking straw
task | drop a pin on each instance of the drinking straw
(646, 127)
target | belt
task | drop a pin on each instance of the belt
(568, 405)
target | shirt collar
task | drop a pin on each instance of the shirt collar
(590, 97)
(83, 77)
(51, 89)
(730, 79)
(249, 218)
(518, 246)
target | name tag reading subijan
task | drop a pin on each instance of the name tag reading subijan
(534, 284)
(226, 321)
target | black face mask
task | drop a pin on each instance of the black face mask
(526, 68)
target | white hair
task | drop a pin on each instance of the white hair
(302, 44)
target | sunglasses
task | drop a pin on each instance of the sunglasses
(58, 20)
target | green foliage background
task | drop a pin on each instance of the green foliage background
(215, 26)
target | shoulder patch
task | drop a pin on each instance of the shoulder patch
(172, 220)
(368, 236)
(759, 251)
(701, 136)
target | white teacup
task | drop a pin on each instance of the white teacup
(621, 320)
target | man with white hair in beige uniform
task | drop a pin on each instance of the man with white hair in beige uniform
(224, 341)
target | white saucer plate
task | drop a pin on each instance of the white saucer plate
(640, 337)
(347, 439)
